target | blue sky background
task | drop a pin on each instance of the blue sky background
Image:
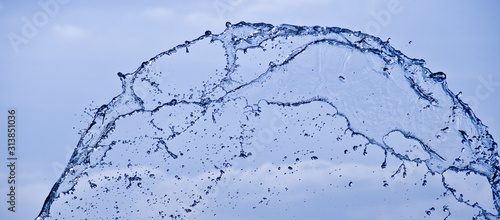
(71, 60)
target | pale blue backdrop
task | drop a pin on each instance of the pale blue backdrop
(59, 57)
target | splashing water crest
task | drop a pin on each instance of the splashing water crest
(284, 121)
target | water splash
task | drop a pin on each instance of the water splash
(235, 121)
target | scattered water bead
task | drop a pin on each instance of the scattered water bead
(204, 133)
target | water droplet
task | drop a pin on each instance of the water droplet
(438, 76)
(384, 165)
(386, 184)
(92, 185)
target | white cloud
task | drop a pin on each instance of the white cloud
(159, 13)
(281, 5)
(70, 31)
(29, 198)
(203, 19)
(299, 2)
